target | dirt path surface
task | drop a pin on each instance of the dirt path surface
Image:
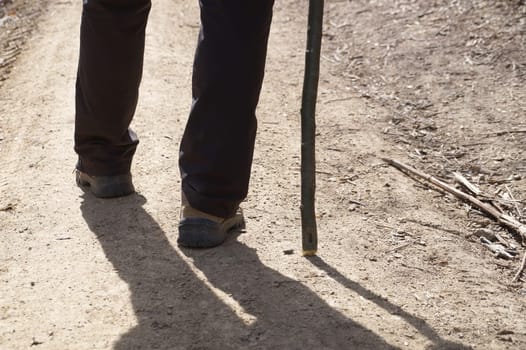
(437, 84)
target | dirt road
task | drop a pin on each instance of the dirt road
(396, 268)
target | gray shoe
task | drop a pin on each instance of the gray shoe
(201, 230)
(105, 186)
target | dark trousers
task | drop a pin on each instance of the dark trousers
(217, 146)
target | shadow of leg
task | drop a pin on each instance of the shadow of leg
(179, 309)
(173, 308)
(288, 315)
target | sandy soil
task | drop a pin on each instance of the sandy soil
(436, 84)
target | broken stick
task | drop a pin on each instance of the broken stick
(465, 182)
(503, 219)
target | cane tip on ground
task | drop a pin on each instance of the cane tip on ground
(309, 252)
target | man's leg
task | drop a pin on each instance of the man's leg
(217, 146)
(109, 74)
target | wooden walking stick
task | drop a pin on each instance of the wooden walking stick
(308, 128)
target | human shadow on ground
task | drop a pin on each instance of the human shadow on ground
(177, 310)
(419, 324)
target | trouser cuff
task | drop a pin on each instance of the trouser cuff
(219, 206)
(95, 168)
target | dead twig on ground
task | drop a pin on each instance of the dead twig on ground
(499, 250)
(465, 182)
(434, 226)
(521, 269)
(504, 219)
(400, 247)
(505, 132)
(339, 99)
(514, 201)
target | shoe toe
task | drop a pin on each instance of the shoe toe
(200, 233)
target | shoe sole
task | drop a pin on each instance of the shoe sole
(105, 186)
(205, 233)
